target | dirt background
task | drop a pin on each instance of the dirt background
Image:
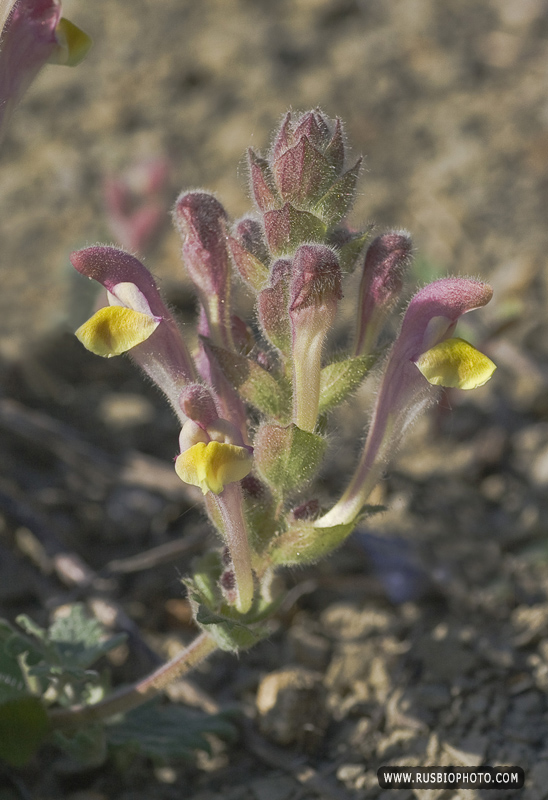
(425, 639)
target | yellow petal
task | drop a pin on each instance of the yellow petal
(455, 363)
(114, 330)
(210, 466)
(73, 44)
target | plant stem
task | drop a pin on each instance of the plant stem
(132, 696)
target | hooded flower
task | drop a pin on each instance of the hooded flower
(424, 357)
(136, 320)
(212, 456)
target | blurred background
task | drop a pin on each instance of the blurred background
(448, 104)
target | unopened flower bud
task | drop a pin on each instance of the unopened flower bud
(307, 510)
(202, 224)
(250, 253)
(307, 162)
(316, 279)
(262, 182)
(314, 294)
(272, 304)
(198, 404)
(387, 258)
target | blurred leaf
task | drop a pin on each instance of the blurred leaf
(23, 727)
(74, 641)
(166, 733)
(87, 746)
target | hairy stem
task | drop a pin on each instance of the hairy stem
(132, 696)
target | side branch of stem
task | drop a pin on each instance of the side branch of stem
(135, 695)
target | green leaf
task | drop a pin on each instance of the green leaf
(338, 200)
(12, 679)
(305, 543)
(287, 457)
(231, 630)
(339, 379)
(23, 727)
(76, 639)
(57, 659)
(207, 570)
(167, 733)
(231, 635)
(286, 228)
(86, 746)
(350, 247)
(80, 640)
(250, 268)
(253, 383)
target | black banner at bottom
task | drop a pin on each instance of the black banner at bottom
(451, 777)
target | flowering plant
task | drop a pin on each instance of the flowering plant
(253, 398)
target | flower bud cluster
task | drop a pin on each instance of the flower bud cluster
(253, 397)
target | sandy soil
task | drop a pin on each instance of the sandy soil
(426, 637)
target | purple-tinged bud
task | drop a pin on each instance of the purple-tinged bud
(307, 160)
(227, 582)
(288, 227)
(198, 404)
(250, 234)
(28, 40)
(313, 297)
(316, 279)
(386, 261)
(284, 138)
(302, 173)
(262, 182)
(313, 124)
(250, 253)
(404, 391)
(164, 355)
(307, 510)
(32, 32)
(316, 127)
(136, 208)
(202, 224)
(272, 305)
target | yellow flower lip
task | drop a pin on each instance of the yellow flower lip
(211, 466)
(114, 330)
(455, 363)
